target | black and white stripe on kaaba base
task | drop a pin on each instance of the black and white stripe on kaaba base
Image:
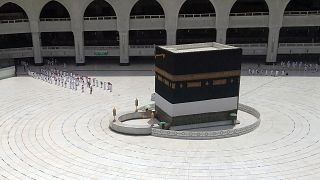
(196, 107)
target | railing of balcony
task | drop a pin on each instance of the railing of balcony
(250, 45)
(100, 47)
(147, 17)
(55, 19)
(58, 47)
(142, 46)
(100, 18)
(14, 21)
(301, 13)
(197, 15)
(16, 49)
(250, 14)
(299, 44)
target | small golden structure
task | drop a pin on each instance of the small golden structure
(160, 55)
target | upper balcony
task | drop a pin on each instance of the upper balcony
(299, 48)
(301, 18)
(141, 50)
(147, 22)
(249, 19)
(197, 21)
(100, 23)
(54, 24)
(102, 51)
(16, 53)
(253, 49)
(14, 26)
(58, 51)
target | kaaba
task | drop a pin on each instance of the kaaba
(197, 83)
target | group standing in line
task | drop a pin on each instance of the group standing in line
(69, 80)
(284, 69)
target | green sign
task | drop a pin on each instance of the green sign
(101, 53)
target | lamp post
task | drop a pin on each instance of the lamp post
(136, 102)
(114, 112)
(152, 118)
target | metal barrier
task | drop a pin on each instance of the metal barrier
(249, 45)
(56, 47)
(101, 47)
(250, 14)
(147, 17)
(301, 13)
(299, 44)
(13, 21)
(142, 46)
(55, 19)
(197, 15)
(15, 49)
(100, 18)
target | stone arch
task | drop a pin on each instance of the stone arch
(249, 6)
(197, 7)
(11, 11)
(54, 9)
(101, 7)
(303, 5)
(147, 7)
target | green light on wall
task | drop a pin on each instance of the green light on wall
(101, 53)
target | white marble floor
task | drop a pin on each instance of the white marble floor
(48, 132)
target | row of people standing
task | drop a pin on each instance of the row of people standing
(295, 65)
(74, 81)
(283, 69)
(267, 72)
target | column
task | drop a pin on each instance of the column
(171, 36)
(221, 35)
(276, 11)
(273, 43)
(36, 42)
(223, 8)
(124, 48)
(37, 48)
(171, 10)
(79, 47)
(123, 26)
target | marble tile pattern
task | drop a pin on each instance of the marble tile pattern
(48, 132)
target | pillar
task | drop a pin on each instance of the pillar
(37, 48)
(221, 35)
(171, 36)
(124, 48)
(79, 47)
(223, 8)
(171, 11)
(276, 11)
(123, 26)
(273, 43)
(36, 42)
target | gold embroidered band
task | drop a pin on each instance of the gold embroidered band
(199, 76)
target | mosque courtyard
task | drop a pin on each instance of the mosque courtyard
(50, 132)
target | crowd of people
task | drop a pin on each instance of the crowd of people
(284, 68)
(69, 80)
